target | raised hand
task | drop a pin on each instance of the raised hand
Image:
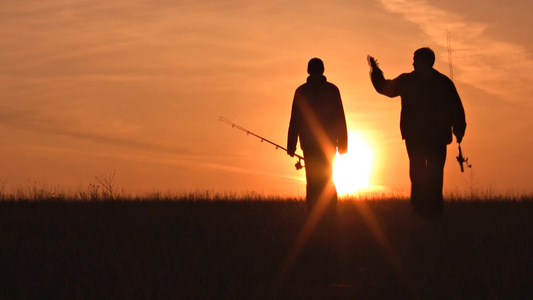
(372, 62)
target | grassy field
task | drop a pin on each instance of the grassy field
(205, 249)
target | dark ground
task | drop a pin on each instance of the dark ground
(239, 250)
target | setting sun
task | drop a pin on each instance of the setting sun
(351, 171)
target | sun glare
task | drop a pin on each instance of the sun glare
(351, 171)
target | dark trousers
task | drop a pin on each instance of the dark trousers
(426, 170)
(320, 191)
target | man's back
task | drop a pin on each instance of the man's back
(318, 116)
(430, 106)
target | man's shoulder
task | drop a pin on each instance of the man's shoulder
(413, 76)
(331, 85)
(441, 76)
(407, 75)
(324, 84)
(302, 87)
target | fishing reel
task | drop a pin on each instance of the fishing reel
(462, 160)
(299, 165)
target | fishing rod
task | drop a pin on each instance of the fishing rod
(462, 160)
(298, 165)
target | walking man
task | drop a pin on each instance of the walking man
(318, 120)
(431, 111)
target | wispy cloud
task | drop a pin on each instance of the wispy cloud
(38, 123)
(495, 66)
(235, 169)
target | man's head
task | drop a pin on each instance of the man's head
(315, 67)
(423, 59)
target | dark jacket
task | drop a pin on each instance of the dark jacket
(317, 118)
(431, 108)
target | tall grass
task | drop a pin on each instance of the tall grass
(108, 192)
(226, 246)
(98, 192)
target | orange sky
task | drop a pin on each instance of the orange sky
(136, 88)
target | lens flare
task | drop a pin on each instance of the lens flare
(351, 171)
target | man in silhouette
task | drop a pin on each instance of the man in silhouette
(318, 120)
(431, 111)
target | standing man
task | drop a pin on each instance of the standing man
(431, 111)
(318, 120)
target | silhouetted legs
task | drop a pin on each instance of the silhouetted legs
(320, 253)
(320, 187)
(426, 170)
